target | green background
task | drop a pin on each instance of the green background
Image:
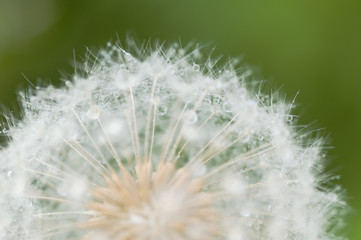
(309, 45)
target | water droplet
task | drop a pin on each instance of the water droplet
(244, 135)
(250, 108)
(113, 127)
(196, 67)
(162, 109)
(249, 223)
(93, 113)
(242, 92)
(245, 214)
(228, 73)
(128, 57)
(227, 107)
(289, 118)
(116, 94)
(190, 117)
(10, 173)
(68, 84)
(135, 218)
(269, 208)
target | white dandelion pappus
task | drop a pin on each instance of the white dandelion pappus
(155, 145)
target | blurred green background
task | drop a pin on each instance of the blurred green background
(311, 45)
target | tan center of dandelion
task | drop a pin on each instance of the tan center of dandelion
(161, 204)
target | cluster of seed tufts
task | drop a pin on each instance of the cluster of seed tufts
(154, 144)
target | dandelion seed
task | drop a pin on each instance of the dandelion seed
(151, 146)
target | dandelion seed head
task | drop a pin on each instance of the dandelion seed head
(152, 143)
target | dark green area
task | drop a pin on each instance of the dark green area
(309, 45)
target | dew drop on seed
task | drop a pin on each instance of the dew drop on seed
(199, 170)
(116, 94)
(227, 107)
(10, 173)
(162, 110)
(243, 132)
(135, 218)
(289, 118)
(244, 135)
(93, 113)
(196, 67)
(249, 223)
(245, 214)
(190, 117)
(333, 197)
(128, 57)
(269, 208)
(242, 92)
(68, 84)
(228, 73)
(113, 127)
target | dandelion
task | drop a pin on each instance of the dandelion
(158, 145)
